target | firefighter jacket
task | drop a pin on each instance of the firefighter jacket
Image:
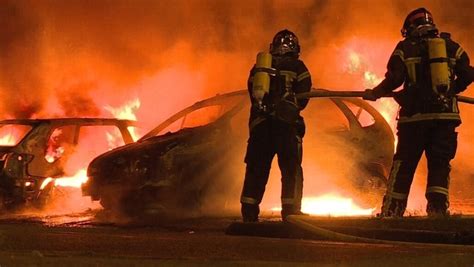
(290, 77)
(409, 65)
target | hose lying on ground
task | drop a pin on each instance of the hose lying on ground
(300, 222)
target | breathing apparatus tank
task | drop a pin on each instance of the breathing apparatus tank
(261, 79)
(439, 69)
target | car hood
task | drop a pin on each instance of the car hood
(153, 146)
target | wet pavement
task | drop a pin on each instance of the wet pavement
(95, 238)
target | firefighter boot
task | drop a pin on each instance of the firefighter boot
(437, 205)
(288, 210)
(392, 208)
(250, 212)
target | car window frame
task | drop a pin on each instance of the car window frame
(33, 126)
(198, 105)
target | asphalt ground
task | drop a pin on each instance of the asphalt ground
(93, 238)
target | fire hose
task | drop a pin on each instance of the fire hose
(301, 222)
(328, 93)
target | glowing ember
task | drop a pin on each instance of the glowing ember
(74, 181)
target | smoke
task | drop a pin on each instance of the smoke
(122, 44)
(76, 100)
(73, 58)
(20, 44)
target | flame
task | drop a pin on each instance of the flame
(113, 140)
(371, 79)
(354, 64)
(333, 205)
(73, 181)
(357, 64)
(11, 134)
(125, 112)
(46, 182)
(8, 140)
(68, 197)
(53, 150)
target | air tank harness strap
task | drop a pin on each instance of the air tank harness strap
(439, 60)
(270, 71)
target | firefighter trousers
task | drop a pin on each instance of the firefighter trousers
(269, 138)
(438, 140)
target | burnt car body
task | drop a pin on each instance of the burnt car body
(195, 157)
(33, 150)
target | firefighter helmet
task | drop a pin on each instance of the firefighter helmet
(285, 42)
(419, 23)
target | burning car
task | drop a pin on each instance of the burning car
(33, 152)
(194, 159)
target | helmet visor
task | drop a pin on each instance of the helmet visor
(283, 44)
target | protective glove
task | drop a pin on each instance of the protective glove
(369, 94)
(261, 107)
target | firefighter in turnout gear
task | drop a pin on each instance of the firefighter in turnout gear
(275, 125)
(433, 69)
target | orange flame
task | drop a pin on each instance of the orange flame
(387, 107)
(11, 134)
(354, 64)
(8, 140)
(53, 150)
(125, 112)
(73, 181)
(357, 65)
(333, 205)
(371, 79)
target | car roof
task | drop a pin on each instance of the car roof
(200, 104)
(219, 97)
(81, 121)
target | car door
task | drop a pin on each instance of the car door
(54, 150)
